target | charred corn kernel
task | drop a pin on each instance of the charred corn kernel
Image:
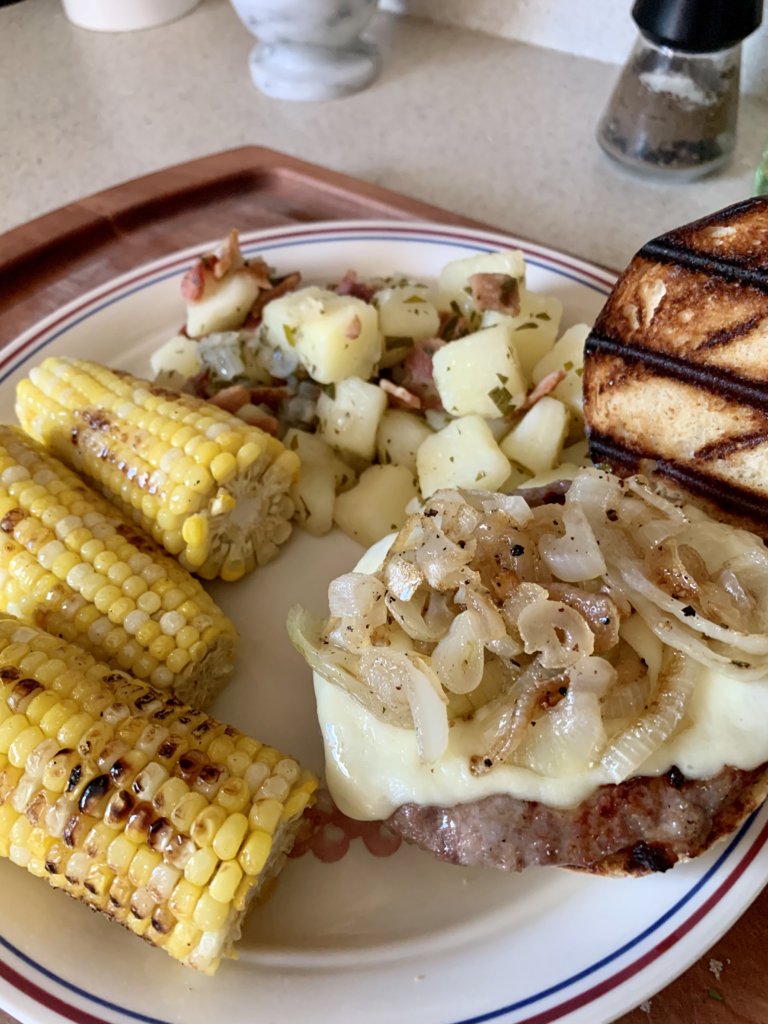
(207, 824)
(201, 866)
(255, 852)
(98, 882)
(169, 795)
(127, 800)
(71, 560)
(265, 815)
(187, 809)
(222, 485)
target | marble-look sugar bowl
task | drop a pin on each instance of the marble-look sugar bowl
(310, 49)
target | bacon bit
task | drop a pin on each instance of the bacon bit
(349, 285)
(453, 326)
(193, 282)
(227, 257)
(232, 398)
(417, 373)
(272, 290)
(400, 396)
(256, 417)
(271, 396)
(497, 292)
(544, 387)
(201, 382)
(354, 328)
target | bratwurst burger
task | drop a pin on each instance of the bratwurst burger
(580, 681)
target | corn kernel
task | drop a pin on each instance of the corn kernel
(23, 745)
(10, 729)
(255, 852)
(207, 824)
(143, 864)
(183, 899)
(210, 915)
(182, 940)
(186, 810)
(234, 793)
(230, 835)
(265, 815)
(200, 867)
(120, 853)
(71, 731)
(294, 805)
(225, 882)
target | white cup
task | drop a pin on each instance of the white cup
(125, 15)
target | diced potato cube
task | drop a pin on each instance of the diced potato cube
(349, 420)
(314, 495)
(335, 336)
(517, 477)
(533, 331)
(537, 439)
(567, 354)
(577, 453)
(179, 355)
(436, 419)
(399, 436)
(314, 451)
(224, 306)
(406, 312)
(455, 289)
(479, 374)
(463, 454)
(376, 504)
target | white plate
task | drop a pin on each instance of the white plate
(365, 940)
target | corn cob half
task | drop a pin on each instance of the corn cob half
(161, 817)
(208, 487)
(72, 564)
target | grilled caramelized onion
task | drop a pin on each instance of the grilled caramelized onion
(570, 632)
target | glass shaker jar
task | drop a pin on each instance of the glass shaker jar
(674, 109)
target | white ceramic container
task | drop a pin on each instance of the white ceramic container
(310, 49)
(125, 15)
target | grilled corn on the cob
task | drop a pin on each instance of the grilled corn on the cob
(73, 565)
(161, 817)
(210, 488)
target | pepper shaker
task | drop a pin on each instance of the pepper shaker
(674, 110)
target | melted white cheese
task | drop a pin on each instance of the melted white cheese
(373, 767)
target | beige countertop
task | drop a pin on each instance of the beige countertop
(500, 131)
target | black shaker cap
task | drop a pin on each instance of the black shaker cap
(698, 26)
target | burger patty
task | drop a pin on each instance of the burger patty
(635, 827)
